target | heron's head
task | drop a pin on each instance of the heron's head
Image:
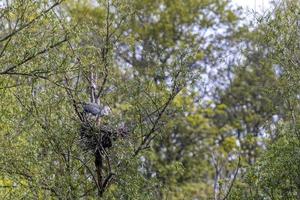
(105, 110)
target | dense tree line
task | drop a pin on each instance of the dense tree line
(140, 99)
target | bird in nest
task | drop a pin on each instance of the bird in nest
(95, 109)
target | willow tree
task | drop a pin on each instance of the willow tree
(275, 175)
(132, 56)
(51, 64)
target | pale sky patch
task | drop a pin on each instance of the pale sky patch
(254, 5)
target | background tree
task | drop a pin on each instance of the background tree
(202, 106)
(276, 173)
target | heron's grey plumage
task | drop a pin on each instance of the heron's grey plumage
(92, 108)
(96, 109)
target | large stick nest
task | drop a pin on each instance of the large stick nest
(93, 137)
(98, 137)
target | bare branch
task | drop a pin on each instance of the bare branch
(234, 178)
(147, 138)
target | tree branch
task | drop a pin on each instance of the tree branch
(234, 178)
(33, 56)
(31, 22)
(147, 139)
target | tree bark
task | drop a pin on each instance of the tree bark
(99, 166)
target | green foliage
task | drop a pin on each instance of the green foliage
(276, 174)
(149, 62)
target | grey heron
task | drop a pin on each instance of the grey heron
(95, 109)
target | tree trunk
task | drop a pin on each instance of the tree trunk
(99, 166)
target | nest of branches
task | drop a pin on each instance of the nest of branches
(93, 138)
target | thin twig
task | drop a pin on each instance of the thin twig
(234, 178)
